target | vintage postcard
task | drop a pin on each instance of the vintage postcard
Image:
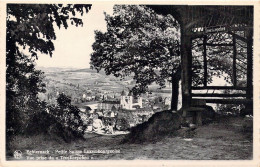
(120, 83)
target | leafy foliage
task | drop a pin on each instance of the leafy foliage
(31, 27)
(24, 82)
(63, 101)
(68, 116)
(138, 43)
(58, 121)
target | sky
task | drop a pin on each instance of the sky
(73, 46)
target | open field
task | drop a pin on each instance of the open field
(224, 140)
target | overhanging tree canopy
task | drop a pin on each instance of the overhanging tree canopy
(30, 26)
(141, 44)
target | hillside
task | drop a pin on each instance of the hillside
(77, 82)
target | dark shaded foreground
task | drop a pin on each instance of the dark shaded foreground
(228, 139)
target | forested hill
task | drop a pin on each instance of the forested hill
(76, 82)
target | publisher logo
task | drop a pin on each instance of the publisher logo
(17, 154)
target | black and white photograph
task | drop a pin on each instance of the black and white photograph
(143, 81)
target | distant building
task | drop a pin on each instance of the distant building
(108, 105)
(129, 102)
(88, 98)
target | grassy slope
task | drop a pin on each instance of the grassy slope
(223, 140)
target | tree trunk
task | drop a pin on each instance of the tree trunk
(176, 77)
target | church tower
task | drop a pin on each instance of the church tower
(127, 101)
